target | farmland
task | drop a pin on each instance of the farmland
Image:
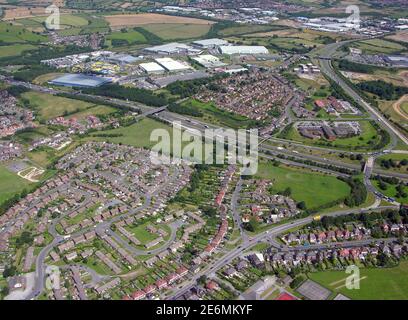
(131, 37)
(15, 50)
(16, 34)
(173, 31)
(70, 24)
(141, 19)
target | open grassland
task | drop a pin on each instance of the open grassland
(15, 50)
(66, 21)
(70, 24)
(378, 46)
(173, 31)
(313, 188)
(214, 115)
(49, 106)
(16, 34)
(10, 184)
(376, 284)
(44, 78)
(137, 135)
(122, 20)
(130, 36)
(369, 137)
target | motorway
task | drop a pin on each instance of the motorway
(327, 68)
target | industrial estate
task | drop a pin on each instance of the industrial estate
(89, 212)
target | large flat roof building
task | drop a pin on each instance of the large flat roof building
(230, 50)
(210, 43)
(209, 61)
(173, 48)
(151, 67)
(80, 80)
(172, 65)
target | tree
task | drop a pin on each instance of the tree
(301, 205)
(9, 271)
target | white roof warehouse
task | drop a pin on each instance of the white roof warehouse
(172, 65)
(230, 50)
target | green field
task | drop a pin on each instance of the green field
(66, 21)
(10, 184)
(368, 138)
(18, 34)
(49, 106)
(144, 236)
(378, 284)
(132, 37)
(15, 50)
(71, 24)
(172, 31)
(377, 46)
(313, 188)
(137, 135)
(214, 115)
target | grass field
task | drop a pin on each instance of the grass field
(212, 114)
(130, 36)
(313, 188)
(137, 135)
(44, 78)
(49, 106)
(376, 46)
(173, 31)
(15, 50)
(10, 184)
(18, 34)
(378, 284)
(71, 24)
(66, 21)
(361, 142)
